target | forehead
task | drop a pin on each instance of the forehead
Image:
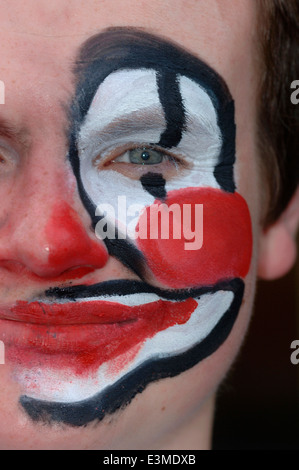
(42, 39)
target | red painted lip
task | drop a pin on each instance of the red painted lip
(83, 335)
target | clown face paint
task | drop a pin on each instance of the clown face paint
(154, 125)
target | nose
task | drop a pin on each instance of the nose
(50, 245)
(68, 244)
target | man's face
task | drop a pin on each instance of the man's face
(106, 313)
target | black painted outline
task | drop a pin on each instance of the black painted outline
(121, 393)
(154, 184)
(127, 286)
(173, 107)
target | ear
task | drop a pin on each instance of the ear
(278, 250)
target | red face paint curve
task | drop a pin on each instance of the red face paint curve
(227, 240)
(83, 335)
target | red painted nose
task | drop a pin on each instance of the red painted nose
(51, 246)
(69, 245)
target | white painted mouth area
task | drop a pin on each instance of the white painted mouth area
(130, 300)
(63, 386)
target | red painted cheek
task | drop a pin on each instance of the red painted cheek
(226, 238)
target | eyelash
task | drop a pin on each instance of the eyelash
(102, 162)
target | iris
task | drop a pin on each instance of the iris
(145, 156)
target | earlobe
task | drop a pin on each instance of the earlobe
(278, 250)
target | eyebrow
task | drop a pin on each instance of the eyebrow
(147, 118)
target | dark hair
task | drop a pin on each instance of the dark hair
(278, 118)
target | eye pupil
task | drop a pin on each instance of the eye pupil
(145, 155)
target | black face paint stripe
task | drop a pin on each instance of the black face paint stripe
(127, 287)
(171, 101)
(224, 170)
(154, 183)
(120, 394)
(125, 252)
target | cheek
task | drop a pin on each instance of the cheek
(222, 238)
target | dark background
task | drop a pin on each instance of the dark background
(258, 404)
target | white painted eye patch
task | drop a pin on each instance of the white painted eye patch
(126, 109)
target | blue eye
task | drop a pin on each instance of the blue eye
(145, 156)
(133, 161)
